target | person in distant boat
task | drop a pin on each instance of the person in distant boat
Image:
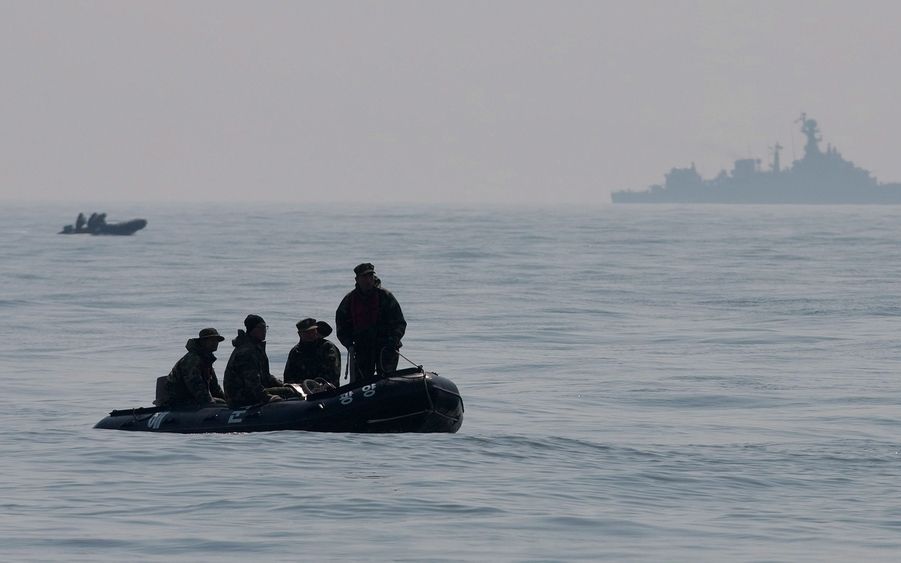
(313, 356)
(80, 222)
(96, 222)
(192, 380)
(93, 222)
(247, 377)
(370, 324)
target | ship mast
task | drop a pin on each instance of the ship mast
(776, 148)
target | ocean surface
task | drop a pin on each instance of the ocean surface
(642, 383)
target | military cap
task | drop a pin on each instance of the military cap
(211, 333)
(364, 268)
(307, 324)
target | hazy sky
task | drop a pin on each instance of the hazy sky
(426, 101)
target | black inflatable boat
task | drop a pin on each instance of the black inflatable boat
(410, 400)
(124, 228)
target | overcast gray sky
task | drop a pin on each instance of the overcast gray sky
(426, 101)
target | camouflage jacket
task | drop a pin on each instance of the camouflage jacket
(309, 360)
(192, 379)
(375, 318)
(247, 373)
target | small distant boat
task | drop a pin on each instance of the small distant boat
(97, 225)
(409, 400)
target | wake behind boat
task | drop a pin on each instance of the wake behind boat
(408, 400)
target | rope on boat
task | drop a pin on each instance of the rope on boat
(406, 358)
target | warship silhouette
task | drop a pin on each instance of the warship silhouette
(819, 177)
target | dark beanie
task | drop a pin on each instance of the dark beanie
(251, 321)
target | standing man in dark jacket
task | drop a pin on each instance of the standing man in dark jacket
(192, 380)
(370, 325)
(247, 377)
(314, 356)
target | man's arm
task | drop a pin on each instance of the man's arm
(292, 368)
(343, 323)
(247, 370)
(331, 363)
(194, 381)
(394, 319)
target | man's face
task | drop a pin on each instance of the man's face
(309, 335)
(259, 331)
(366, 281)
(209, 344)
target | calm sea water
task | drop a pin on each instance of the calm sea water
(641, 384)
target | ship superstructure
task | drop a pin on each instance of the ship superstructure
(818, 177)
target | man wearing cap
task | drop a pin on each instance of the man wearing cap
(192, 380)
(370, 322)
(314, 356)
(247, 377)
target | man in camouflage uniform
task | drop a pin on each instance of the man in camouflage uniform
(370, 325)
(192, 380)
(247, 377)
(314, 356)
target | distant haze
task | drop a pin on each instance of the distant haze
(412, 101)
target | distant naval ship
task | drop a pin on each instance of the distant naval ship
(818, 177)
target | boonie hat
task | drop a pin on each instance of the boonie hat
(307, 324)
(211, 333)
(364, 268)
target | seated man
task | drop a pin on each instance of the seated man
(247, 377)
(192, 380)
(314, 356)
